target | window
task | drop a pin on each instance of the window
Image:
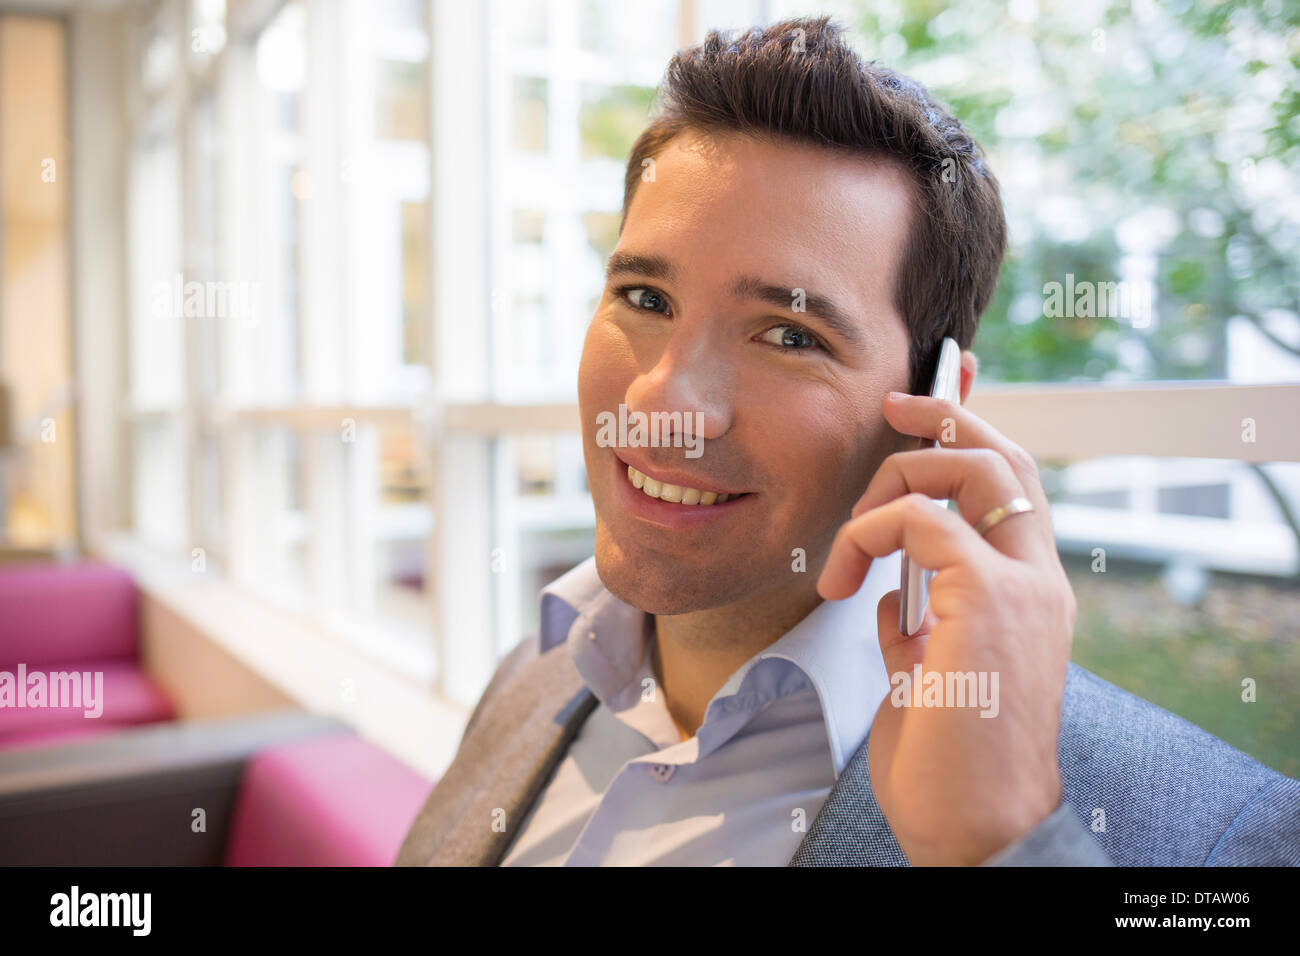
(419, 213)
(281, 293)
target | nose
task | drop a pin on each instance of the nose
(692, 374)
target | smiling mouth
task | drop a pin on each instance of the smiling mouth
(676, 494)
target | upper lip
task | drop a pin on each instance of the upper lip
(670, 475)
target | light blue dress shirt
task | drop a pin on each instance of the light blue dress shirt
(744, 790)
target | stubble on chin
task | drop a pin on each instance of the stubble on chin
(656, 584)
(663, 585)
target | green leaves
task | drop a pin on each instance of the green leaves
(1196, 107)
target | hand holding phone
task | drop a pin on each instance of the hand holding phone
(915, 582)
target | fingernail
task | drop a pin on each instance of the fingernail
(898, 396)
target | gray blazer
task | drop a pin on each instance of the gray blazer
(1171, 794)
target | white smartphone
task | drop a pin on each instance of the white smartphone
(915, 581)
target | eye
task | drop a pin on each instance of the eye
(792, 338)
(643, 297)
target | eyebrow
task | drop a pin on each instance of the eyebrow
(745, 287)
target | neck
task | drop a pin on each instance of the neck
(695, 654)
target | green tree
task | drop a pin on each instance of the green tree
(1164, 133)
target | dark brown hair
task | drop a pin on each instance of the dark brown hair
(799, 80)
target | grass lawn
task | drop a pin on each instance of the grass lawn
(1192, 661)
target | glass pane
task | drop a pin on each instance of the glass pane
(641, 34)
(398, 15)
(602, 232)
(732, 15)
(402, 111)
(521, 308)
(530, 114)
(612, 118)
(160, 480)
(545, 554)
(403, 527)
(371, 526)
(528, 226)
(527, 18)
(38, 436)
(549, 517)
(416, 300)
(282, 523)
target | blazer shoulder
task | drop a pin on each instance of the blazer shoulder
(1154, 788)
(1103, 720)
(1267, 830)
(519, 657)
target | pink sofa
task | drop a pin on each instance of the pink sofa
(289, 788)
(74, 618)
(336, 800)
(278, 789)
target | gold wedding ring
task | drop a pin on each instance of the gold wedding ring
(1015, 506)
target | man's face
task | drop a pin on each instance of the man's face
(789, 403)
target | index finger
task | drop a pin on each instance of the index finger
(955, 426)
(977, 479)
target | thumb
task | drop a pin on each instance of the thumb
(901, 653)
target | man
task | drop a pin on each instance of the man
(725, 681)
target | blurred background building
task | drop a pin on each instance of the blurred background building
(294, 291)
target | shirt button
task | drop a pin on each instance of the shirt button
(662, 771)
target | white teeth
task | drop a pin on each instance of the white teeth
(677, 494)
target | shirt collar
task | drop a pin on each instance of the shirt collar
(835, 646)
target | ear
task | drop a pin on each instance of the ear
(969, 366)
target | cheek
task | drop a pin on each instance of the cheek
(605, 369)
(827, 451)
(803, 441)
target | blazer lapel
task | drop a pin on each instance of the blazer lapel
(850, 829)
(475, 811)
